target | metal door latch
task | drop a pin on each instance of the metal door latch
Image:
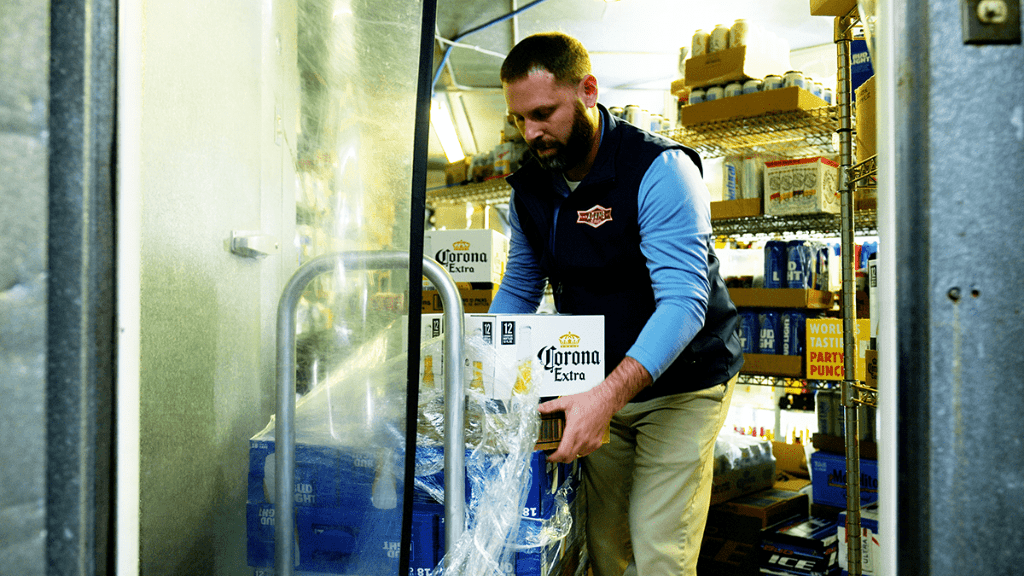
(252, 244)
(991, 21)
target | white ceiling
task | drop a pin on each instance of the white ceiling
(634, 47)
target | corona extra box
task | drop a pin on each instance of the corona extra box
(468, 255)
(568, 350)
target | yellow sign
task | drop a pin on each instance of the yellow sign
(825, 359)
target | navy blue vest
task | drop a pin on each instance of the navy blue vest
(601, 270)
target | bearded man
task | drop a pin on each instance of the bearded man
(617, 220)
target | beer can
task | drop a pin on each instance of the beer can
(616, 111)
(699, 43)
(631, 114)
(752, 85)
(738, 33)
(798, 268)
(750, 330)
(794, 78)
(822, 275)
(827, 96)
(714, 93)
(794, 326)
(733, 89)
(730, 180)
(775, 264)
(696, 96)
(719, 39)
(825, 411)
(772, 82)
(770, 332)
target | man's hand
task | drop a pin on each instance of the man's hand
(588, 414)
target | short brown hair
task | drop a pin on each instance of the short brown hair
(558, 53)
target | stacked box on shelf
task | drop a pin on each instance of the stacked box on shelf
(807, 547)
(828, 479)
(732, 538)
(743, 464)
(801, 186)
(870, 547)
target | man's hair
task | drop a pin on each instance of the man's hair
(558, 53)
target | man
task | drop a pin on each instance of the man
(617, 220)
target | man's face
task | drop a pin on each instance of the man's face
(552, 118)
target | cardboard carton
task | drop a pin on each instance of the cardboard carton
(865, 145)
(801, 186)
(806, 547)
(469, 255)
(569, 350)
(733, 64)
(828, 479)
(750, 105)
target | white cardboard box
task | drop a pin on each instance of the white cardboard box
(568, 350)
(469, 255)
(801, 186)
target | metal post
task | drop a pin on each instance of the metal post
(284, 427)
(843, 37)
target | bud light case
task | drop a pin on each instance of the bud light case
(770, 332)
(822, 275)
(794, 324)
(775, 264)
(799, 266)
(749, 331)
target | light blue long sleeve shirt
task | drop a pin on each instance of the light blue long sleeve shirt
(675, 228)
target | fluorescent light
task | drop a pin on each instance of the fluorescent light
(441, 121)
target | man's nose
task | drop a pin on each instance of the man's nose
(531, 130)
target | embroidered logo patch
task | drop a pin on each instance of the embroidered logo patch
(595, 216)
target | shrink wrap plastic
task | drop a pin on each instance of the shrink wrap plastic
(361, 405)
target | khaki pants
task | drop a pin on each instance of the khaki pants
(649, 489)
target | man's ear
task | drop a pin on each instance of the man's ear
(587, 90)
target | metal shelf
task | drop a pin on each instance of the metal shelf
(802, 225)
(794, 133)
(493, 191)
(809, 385)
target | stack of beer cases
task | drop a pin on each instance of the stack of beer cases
(734, 531)
(344, 527)
(806, 547)
(476, 260)
(798, 264)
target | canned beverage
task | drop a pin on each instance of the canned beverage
(775, 264)
(826, 412)
(826, 95)
(751, 86)
(616, 111)
(631, 114)
(772, 82)
(814, 87)
(822, 274)
(730, 180)
(738, 33)
(798, 265)
(749, 331)
(733, 89)
(769, 325)
(696, 96)
(794, 78)
(699, 43)
(794, 325)
(719, 39)
(714, 93)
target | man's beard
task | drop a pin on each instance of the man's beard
(572, 152)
